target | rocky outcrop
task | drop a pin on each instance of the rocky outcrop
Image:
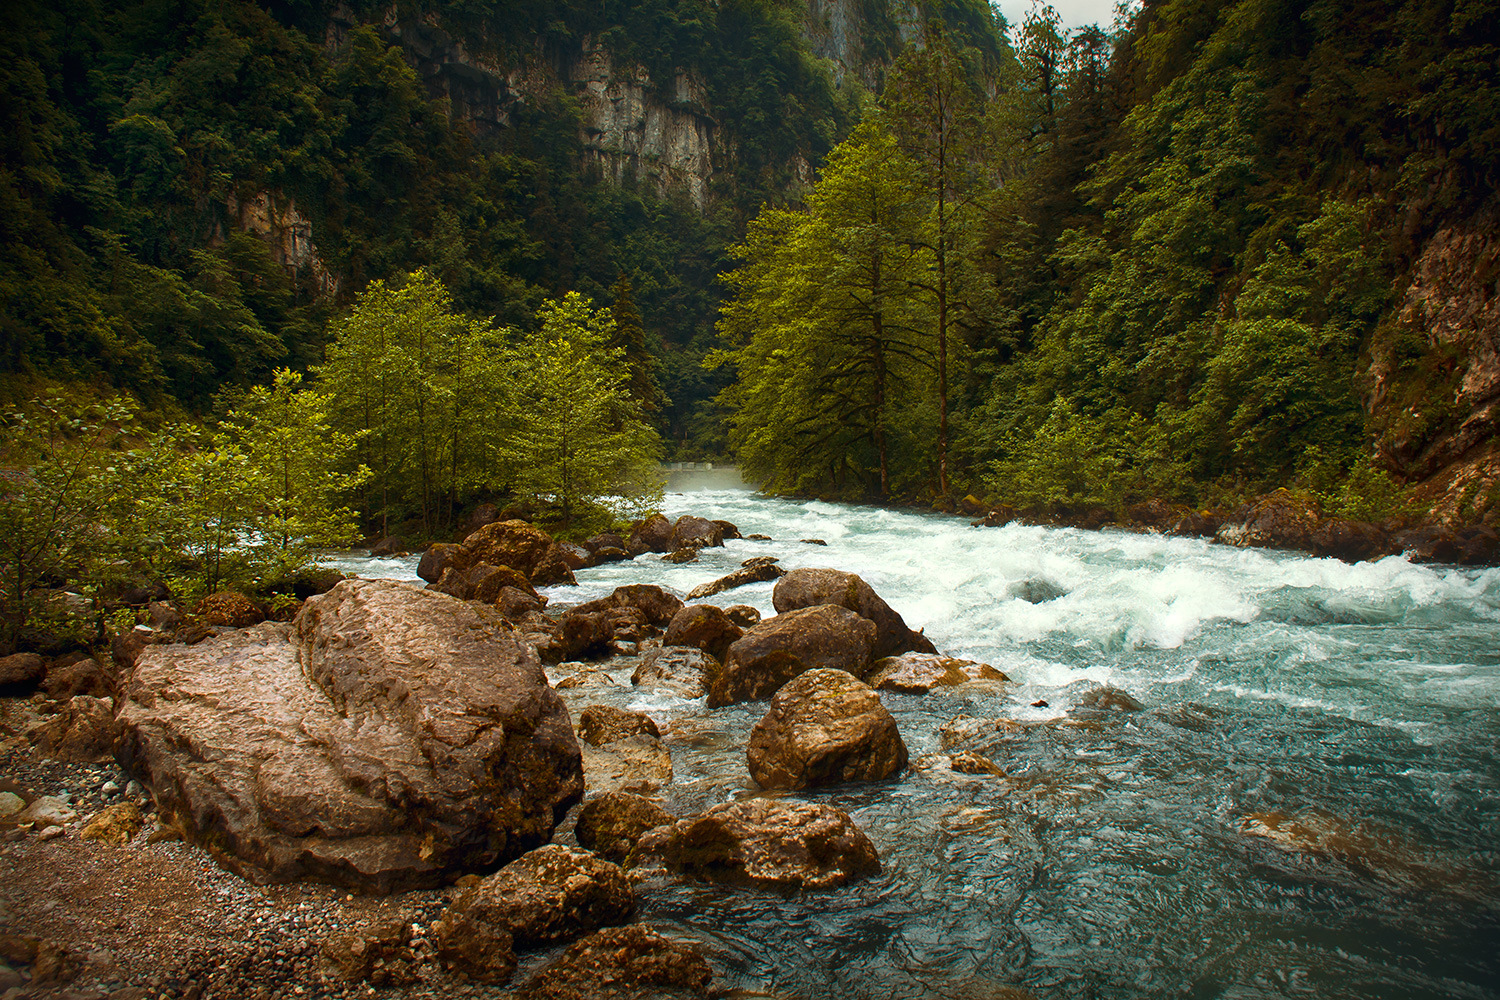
(391, 737)
(808, 587)
(613, 823)
(825, 727)
(918, 673)
(765, 842)
(546, 896)
(696, 533)
(622, 963)
(780, 648)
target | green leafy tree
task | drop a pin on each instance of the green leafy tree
(578, 436)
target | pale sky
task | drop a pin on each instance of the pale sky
(1075, 13)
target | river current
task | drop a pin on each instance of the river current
(1355, 708)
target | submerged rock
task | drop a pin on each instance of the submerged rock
(766, 842)
(757, 573)
(780, 648)
(639, 763)
(612, 824)
(1108, 698)
(825, 727)
(1036, 591)
(808, 587)
(679, 669)
(622, 963)
(918, 673)
(392, 737)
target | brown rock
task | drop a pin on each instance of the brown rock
(654, 534)
(553, 568)
(622, 963)
(582, 635)
(603, 540)
(743, 615)
(576, 556)
(728, 530)
(390, 545)
(486, 582)
(391, 737)
(441, 556)
(610, 554)
(696, 532)
(81, 676)
(126, 647)
(686, 554)
(1278, 521)
(1197, 524)
(658, 605)
(227, 609)
(825, 727)
(22, 668)
(767, 842)
(679, 669)
(514, 604)
(482, 514)
(544, 897)
(918, 673)
(585, 676)
(805, 588)
(969, 762)
(637, 763)
(513, 543)
(380, 955)
(704, 627)
(611, 824)
(1107, 698)
(84, 731)
(780, 648)
(601, 724)
(117, 824)
(739, 578)
(1350, 541)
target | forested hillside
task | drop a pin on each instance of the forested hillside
(1231, 247)
(1218, 247)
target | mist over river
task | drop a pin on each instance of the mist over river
(1351, 710)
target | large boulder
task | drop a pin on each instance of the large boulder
(654, 534)
(765, 842)
(696, 533)
(21, 668)
(514, 543)
(780, 648)
(825, 727)
(1350, 541)
(918, 673)
(702, 626)
(611, 824)
(391, 737)
(1278, 521)
(756, 573)
(554, 568)
(546, 896)
(441, 556)
(84, 731)
(681, 670)
(809, 587)
(658, 605)
(622, 963)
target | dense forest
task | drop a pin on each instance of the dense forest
(1201, 253)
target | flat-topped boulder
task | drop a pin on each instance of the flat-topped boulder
(808, 587)
(765, 842)
(390, 737)
(825, 727)
(918, 673)
(780, 648)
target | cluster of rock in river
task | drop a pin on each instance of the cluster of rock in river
(391, 737)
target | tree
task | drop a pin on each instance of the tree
(578, 436)
(833, 347)
(630, 340)
(932, 108)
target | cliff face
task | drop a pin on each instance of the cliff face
(1435, 384)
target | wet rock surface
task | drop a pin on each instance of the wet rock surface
(623, 963)
(809, 587)
(918, 673)
(825, 727)
(363, 745)
(613, 823)
(766, 842)
(680, 670)
(703, 626)
(791, 643)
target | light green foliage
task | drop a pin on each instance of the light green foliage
(578, 436)
(55, 487)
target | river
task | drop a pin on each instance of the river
(1358, 706)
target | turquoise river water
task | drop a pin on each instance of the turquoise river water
(1358, 706)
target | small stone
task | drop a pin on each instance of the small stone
(133, 788)
(48, 810)
(10, 804)
(109, 788)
